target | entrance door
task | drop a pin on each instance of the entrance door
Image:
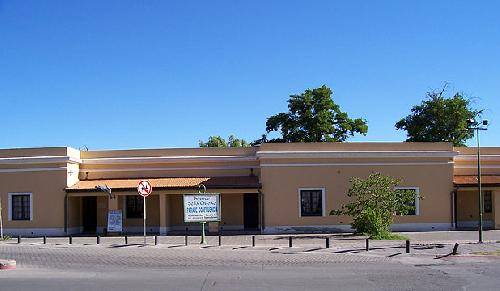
(251, 211)
(89, 213)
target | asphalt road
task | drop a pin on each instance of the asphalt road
(161, 268)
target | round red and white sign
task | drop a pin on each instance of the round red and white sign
(144, 188)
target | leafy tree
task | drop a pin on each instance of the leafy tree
(375, 200)
(439, 118)
(313, 117)
(218, 142)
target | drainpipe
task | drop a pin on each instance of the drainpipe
(261, 210)
(66, 209)
(454, 208)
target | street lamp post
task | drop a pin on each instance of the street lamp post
(480, 126)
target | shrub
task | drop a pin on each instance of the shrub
(375, 201)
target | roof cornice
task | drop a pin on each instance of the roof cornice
(39, 160)
(356, 154)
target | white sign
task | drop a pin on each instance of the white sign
(144, 188)
(201, 207)
(115, 221)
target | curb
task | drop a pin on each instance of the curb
(7, 264)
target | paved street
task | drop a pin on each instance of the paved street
(172, 266)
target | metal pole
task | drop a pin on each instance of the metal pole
(407, 246)
(203, 238)
(480, 196)
(144, 220)
(1, 221)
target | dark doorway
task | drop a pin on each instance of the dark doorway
(89, 213)
(251, 211)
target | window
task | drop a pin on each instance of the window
(20, 206)
(415, 210)
(487, 202)
(134, 206)
(312, 202)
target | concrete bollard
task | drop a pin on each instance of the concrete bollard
(156, 240)
(253, 240)
(44, 240)
(327, 242)
(367, 244)
(455, 249)
(407, 246)
(290, 242)
(126, 240)
(98, 239)
(70, 239)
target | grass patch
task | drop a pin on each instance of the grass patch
(5, 237)
(493, 253)
(389, 236)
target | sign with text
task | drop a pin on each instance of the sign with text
(201, 207)
(115, 221)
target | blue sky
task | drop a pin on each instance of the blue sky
(134, 74)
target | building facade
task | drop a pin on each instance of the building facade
(272, 188)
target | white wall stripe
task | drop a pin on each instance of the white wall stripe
(83, 170)
(32, 170)
(357, 164)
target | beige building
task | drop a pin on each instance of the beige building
(273, 188)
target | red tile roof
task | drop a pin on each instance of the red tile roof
(170, 183)
(471, 180)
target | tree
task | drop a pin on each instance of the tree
(375, 200)
(439, 119)
(218, 142)
(313, 117)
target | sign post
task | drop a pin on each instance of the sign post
(144, 189)
(202, 208)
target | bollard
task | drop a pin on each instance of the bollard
(327, 242)
(70, 239)
(186, 240)
(156, 240)
(126, 240)
(18, 239)
(367, 244)
(98, 239)
(290, 242)
(407, 246)
(455, 249)
(220, 240)
(253, 240)
(44, 240)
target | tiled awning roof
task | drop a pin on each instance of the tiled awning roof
(237, 182)
(471, 180)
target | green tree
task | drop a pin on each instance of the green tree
(313, 117)
(217, 141)
(374, 202)
(439, 118)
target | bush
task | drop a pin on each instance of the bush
(375, 201)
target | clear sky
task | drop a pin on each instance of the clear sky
(134, 74)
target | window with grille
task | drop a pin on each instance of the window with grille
(21, 206)
(135, 206)
(311, 202)
(414, 203)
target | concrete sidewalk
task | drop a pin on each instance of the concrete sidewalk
(422, 243)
